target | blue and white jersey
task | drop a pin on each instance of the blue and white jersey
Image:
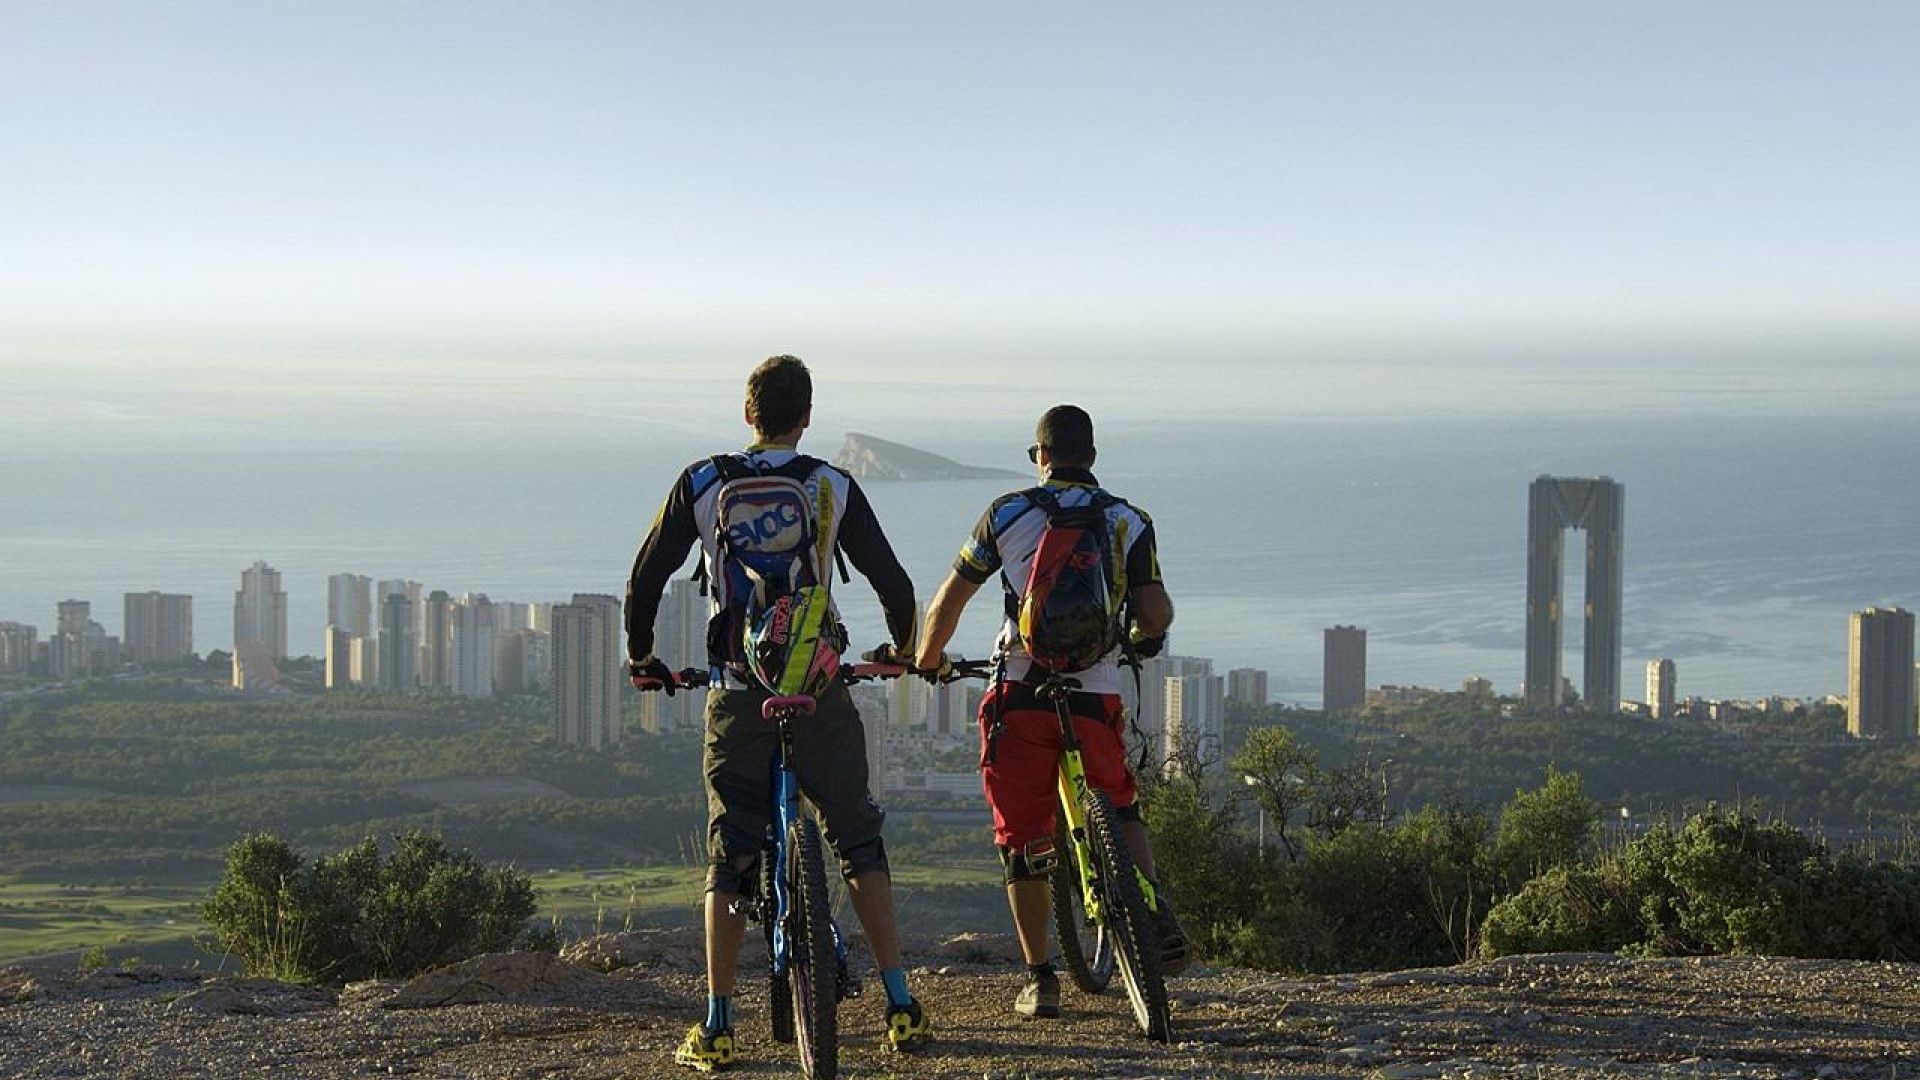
(1007, 535)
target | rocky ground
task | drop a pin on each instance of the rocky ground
(534, 1016)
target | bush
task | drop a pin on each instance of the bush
(1553, 826)
(1725, 882)
(354, 915)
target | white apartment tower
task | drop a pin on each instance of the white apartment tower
(1660, 688)
(470, 643)
(260, 611)
(350, 603)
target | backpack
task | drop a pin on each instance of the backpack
(772, 549)
(1073, 609)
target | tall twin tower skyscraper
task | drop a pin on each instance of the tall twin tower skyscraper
(1554, 505)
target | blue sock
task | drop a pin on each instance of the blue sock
(719, 1013)
(895, 980)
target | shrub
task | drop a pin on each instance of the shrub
(1552, 826)
(354, 915)
(1725, 882)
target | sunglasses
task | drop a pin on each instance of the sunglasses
(1033, 452)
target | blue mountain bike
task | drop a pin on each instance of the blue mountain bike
(806, 953)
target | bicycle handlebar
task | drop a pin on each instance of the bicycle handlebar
(700, 678)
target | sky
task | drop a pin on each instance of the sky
(299, 211)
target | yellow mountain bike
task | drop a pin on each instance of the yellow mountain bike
(1102, 904)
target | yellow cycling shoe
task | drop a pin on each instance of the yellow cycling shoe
(908, 1028)
(708, 1051)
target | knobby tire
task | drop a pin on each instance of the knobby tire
(1136, 943)
(816, 995)
(1085, 948)
(780, 986)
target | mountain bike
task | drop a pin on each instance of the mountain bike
(806, 953)
(1103, 905)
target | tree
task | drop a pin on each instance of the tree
(1281, 773)
(1553, 825)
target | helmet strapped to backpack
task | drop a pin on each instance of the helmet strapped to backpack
(774, 621)
(1072, 611)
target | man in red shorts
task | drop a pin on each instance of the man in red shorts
(1020, 780)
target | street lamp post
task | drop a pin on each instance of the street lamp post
(1261, 809)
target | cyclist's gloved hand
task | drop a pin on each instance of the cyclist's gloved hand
(888, 655)
(940, 671)
(650, 673)
(1144, 647)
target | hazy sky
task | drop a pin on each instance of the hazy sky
(1253, 198)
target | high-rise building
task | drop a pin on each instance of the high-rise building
(260, 611)
(396, 671)
(1880, 675)
(1554, 505)
(1248, 686)
(1660, 691)
(158, 627)
(1196, 715)
(350, 603)
(339, 671)
(588, 673)
(680, 641)
(1343, 669)
(436, 635)
(520, 661)
(364, 662)
(1148, 703)
(72, 616)
(17, 642)
(470, 643)
(253, 667)
(78, 645)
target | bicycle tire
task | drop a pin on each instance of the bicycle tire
(1086, 948)
(779, 983)
(1136, 944)
(816, 997)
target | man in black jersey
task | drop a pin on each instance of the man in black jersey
(830, 747)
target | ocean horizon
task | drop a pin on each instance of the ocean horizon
(1748, 541)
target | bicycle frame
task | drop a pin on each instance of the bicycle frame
(785, 790)
(1074, 788)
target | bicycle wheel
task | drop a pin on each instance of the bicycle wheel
(810, 941)
(1136, 944)
(1086, 947)
(780, 983)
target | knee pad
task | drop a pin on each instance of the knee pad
(864, 858)
(724, 877)
(1129, 812)
(1034, 862)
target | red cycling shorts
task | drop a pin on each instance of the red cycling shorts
(1023, 781)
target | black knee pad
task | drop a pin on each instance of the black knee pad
(864, 858)
(1129, 812)
(724, 878)
(1033, 862)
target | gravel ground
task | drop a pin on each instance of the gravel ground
(1541, 1017)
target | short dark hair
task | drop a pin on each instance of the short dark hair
(779, 393)
(1067, 433)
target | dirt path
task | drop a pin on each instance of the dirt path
(1533, 1017)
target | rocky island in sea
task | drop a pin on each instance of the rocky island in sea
(868, 458)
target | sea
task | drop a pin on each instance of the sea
(1748, 540)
